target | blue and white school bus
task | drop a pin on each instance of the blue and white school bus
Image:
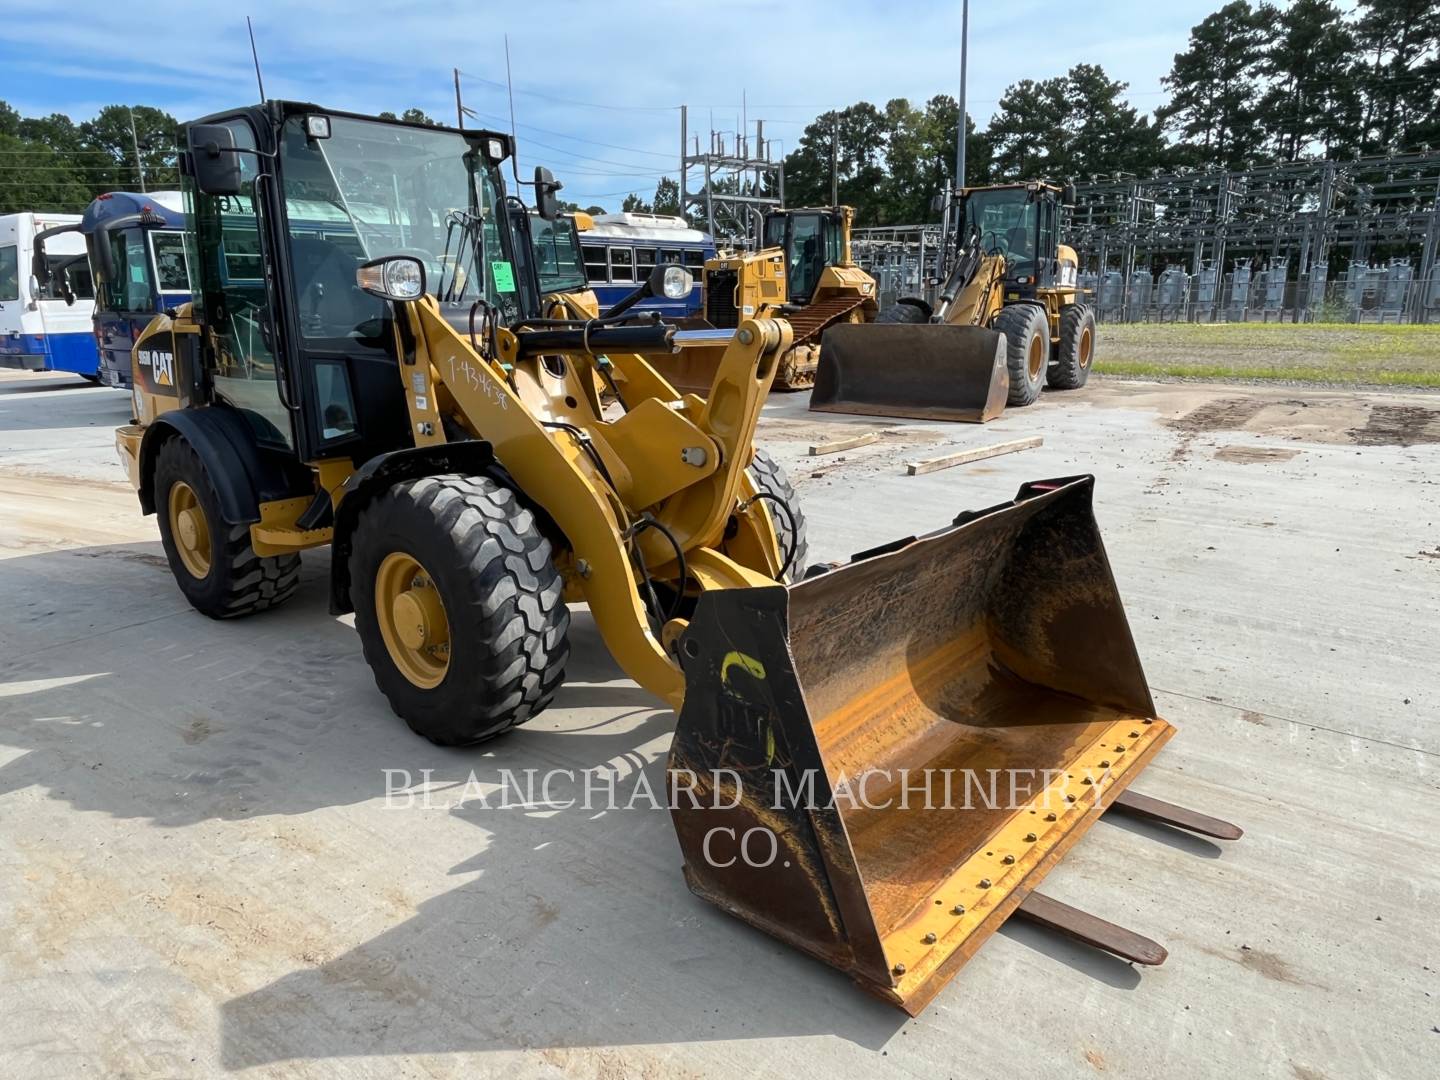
(45, 318)
(620, 250)
(136, 243)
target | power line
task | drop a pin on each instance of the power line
(572, 101)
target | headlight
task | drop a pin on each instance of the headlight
(396, 277)
(678, 282)
(317, 127)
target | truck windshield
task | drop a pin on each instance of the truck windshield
(374, 189)
(1008, 222)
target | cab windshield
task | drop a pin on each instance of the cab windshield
(811, 242)
(1008, 220)
(374, 189)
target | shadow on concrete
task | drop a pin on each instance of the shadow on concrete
(1178, 839)
(571, 927)
(1110, 970)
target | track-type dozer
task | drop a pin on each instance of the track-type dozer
(1006, 271)
(803, 273)
(391, 381)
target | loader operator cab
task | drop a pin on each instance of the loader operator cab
(1020, 222)
(315, 196)
(811, 240)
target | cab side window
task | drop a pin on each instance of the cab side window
(230, 246)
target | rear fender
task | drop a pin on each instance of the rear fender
(243, 473)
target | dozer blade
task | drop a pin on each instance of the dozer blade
(926, 371)
(879, 764)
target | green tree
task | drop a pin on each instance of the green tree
(920, 158)
(1028, 132)
(35, 177)
(1401, 40)
(857, 136)
(1312, 101)
(110, 147)
(634, 204)
(1214, 86)
(667, 196)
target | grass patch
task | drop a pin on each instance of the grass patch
(1332, 354)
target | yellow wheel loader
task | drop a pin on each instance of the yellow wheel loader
(803, 274)
(384, 380)
(1008, 274)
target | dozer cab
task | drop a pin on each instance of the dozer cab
(803, 273)
(367, 365)
(1009, 319)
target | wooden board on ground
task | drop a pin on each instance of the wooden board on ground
(844, 444)
(974, 453)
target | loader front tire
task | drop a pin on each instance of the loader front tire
(770, 477)
(1076, 349)
(902, 313)
(1027, 350)
(213, 562)
(459, 608)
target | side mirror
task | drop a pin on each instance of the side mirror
(213, 159)
(39, 268)
(67, 291)
(546, 204)
(392, 277)
(937, 203)
(1067, 196)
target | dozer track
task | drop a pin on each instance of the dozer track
(797, 367)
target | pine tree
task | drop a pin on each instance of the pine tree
(1214, 90)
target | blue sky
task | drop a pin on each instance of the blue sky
(597, 85)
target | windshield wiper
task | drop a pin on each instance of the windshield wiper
(471, 237)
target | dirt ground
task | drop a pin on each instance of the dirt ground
(200, 874)
(1338, 353)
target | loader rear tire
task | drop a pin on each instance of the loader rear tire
(1027, 350)
(459, 607)
(770, 477)
(213, 562)
(1076, 349)
(902, 313)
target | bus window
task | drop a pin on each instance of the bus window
(669, 255)
(622, 265)
(694, 259)
(240, 249)
(596, 269)
(9, 273)
(644, 263)
(170, 265)
(129, 292)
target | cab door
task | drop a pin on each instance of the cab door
(232, 238)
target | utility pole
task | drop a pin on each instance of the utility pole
(834, 162)
(960, 134)
(459, 108)
(135, 145)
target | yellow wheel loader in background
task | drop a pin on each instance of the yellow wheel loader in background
(802, 273)
(389, 385)
(1006, 272)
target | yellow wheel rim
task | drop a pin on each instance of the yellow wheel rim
(189, 529)
(1038, 347)
(1087, 344)
(412, 620)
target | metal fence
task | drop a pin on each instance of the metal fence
(1352, 241)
